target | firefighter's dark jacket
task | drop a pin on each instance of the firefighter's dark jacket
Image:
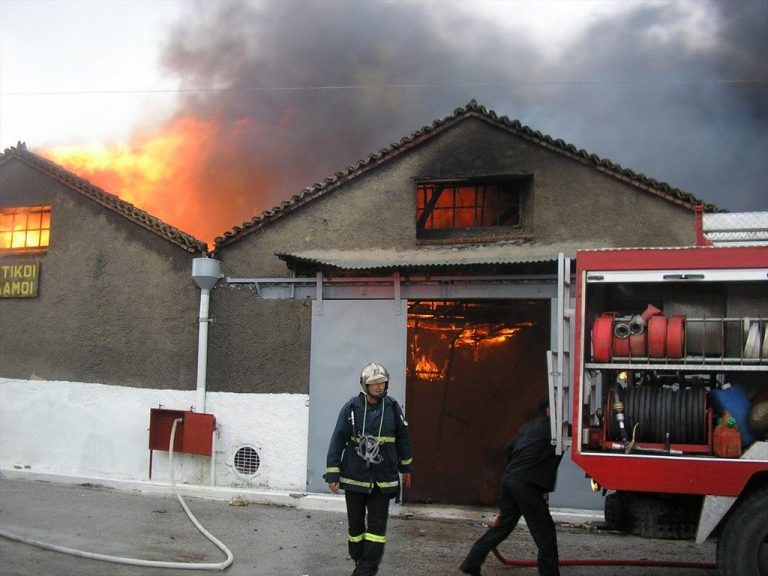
(531, 456)
(346, 467)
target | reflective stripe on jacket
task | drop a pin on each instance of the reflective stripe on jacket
(346, 466)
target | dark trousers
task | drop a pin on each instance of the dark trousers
(367, 516)
(519, 498)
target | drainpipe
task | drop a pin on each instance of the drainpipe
(205, 272)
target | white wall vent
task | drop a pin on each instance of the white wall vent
(246, 460)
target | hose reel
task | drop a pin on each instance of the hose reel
(660, 411)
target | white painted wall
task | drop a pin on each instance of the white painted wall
(98, 431)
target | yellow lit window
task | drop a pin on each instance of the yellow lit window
(25, 227)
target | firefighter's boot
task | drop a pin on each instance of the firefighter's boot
(364, 568)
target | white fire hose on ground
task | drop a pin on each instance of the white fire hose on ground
(138, 561)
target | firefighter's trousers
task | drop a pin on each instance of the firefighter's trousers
(519, 498)
(367, 518)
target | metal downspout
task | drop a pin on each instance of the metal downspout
(205, 272)
(202, 348)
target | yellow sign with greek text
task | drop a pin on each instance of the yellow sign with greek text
(19, 279)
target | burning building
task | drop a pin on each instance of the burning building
(444, 256)
(439, 257)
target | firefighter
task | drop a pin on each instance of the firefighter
(370, 448)
(528, 479)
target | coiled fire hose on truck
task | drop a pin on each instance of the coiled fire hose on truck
(138, 561)
(604, 561)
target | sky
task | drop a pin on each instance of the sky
(206, 113)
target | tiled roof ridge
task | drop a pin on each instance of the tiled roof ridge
(101, 196)
(661, 189)
(603, 164)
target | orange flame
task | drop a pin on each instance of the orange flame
(426, 369)
(484, 335)
(163, 174)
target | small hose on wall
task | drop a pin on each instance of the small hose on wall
(137, 561)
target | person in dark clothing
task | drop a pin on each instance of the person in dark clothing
(370, 448)
(528, 478)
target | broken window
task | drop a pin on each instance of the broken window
(469, 205)
(24, 228)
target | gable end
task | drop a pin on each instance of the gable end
(471, 110)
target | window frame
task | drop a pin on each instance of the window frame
(503, 218)
(10, 231)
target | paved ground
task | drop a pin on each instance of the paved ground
(272, 540)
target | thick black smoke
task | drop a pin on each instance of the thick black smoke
(301, 90)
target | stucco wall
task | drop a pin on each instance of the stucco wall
(258, 346)
(116, 302)
(98, 431)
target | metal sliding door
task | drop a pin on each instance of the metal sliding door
(347, 335)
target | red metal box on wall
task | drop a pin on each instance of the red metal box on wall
(194, 434)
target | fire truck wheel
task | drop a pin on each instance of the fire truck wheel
(666, 518)
(742, 548)
(653, 515)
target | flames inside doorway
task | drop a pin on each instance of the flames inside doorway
(475, 372)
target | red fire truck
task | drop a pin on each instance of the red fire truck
(666, 410)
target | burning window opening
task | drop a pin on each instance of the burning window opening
(467, 206)
(25, 227)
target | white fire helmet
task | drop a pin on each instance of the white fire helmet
(374, 374)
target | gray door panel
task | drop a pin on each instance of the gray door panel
(347, 335)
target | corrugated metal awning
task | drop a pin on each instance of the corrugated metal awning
(426, 257)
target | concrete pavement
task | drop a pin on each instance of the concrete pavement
(278, 534)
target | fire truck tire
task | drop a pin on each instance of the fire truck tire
(742, 548)
(653, 516)
(664, 518)
(613, 507)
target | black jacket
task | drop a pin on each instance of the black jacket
(352, 471)
(531, 456)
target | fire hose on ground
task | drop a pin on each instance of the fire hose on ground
(605, 561)
(138, 561)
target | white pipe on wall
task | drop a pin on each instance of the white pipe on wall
(205, 272)
(202, 348)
